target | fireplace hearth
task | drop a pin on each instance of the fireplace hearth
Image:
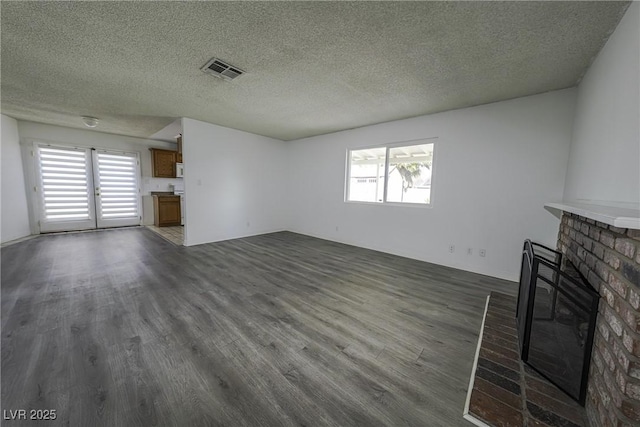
(556, 318)
(503, 390)
(607, 258)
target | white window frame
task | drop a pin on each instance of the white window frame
(388, 147)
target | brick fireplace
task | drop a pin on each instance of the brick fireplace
(609, 258)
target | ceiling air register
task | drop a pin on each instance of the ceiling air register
(221, 69)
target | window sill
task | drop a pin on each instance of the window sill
(395, 204)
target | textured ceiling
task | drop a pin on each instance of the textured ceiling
(312, 67)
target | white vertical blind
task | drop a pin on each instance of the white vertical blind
(65, 183)
(117, 185)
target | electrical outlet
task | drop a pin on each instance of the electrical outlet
(469, 251)
(482, 252)
(248, 224)
(337, 229)
(452, 248)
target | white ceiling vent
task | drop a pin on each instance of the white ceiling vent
(221, 69)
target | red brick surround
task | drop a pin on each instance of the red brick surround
(609, 257)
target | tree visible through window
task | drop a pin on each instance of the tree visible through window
(405, 170)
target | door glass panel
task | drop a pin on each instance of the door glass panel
(117, 186)
(65, 184)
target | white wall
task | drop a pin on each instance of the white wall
(495, 167)
(169, 132)
(234, 183)
(30, 131)
(604, 164)
(15, 215)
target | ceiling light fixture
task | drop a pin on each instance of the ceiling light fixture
(90, 122)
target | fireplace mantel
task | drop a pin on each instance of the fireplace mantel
(610, 215)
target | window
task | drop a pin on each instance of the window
(366, 175)
(391, 174)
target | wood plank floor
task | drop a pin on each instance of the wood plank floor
(121, 328)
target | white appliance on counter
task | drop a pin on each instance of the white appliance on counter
(179, 170)
(178, 190)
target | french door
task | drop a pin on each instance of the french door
(84, 188)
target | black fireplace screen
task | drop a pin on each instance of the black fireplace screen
(556, 317)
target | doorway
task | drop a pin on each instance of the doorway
(86, 188)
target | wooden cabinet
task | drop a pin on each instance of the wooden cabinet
(180, 149)
(163, 163)
(166, 210)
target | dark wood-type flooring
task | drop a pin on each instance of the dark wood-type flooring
(122, 328)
